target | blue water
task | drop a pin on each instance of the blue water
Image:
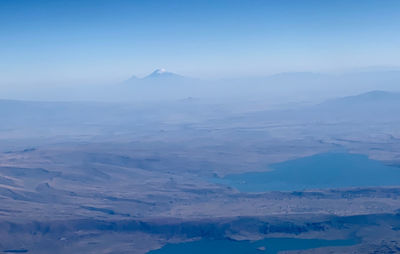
(321, 171)
(266, 246)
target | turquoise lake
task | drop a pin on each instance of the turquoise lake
(266, 246)
(321, 171)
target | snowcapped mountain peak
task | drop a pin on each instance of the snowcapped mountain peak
(158, 76)
(162, 73)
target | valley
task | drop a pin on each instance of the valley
(139, 183)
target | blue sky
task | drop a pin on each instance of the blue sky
(87, 40)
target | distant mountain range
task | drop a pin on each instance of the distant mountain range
(162, 85)
(373, 106)
(366, 103)
(376, 96)
(156, 77)
(287, 87)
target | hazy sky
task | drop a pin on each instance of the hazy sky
(69, 40)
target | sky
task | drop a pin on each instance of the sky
(108, 40)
